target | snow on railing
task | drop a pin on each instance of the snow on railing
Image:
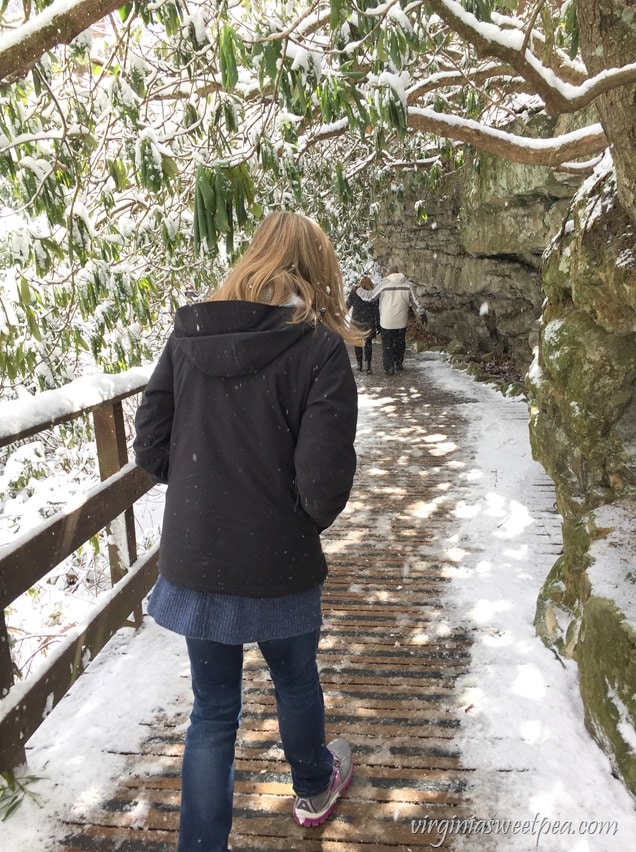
(30, 556)
(23, 417)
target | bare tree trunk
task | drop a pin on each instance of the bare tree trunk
(608, 40)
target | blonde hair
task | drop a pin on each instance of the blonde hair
(291, 260)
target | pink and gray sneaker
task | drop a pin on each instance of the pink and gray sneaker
(316, 809)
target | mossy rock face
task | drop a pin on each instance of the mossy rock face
(559, 606)
(603, 267)
(606, 655)
(512, 208)
(593, 259)
(583, 430)
(558, 614)
(606, 651)
(510, 229)
(583, 392)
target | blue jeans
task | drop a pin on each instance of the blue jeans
(208, 761)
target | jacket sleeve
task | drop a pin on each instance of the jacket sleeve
(153, 421)
(325, 457)
(416, 307)
(372, 295)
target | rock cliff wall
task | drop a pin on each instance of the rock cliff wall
(583, 430)
(519, 261)
(475, 254)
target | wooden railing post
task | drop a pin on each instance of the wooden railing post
(6, 676)
(32, 555)
(112, 454)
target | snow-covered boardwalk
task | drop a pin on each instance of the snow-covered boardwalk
(429, 662)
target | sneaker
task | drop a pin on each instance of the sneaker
(316, 809)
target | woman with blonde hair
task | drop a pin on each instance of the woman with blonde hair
(250, 418)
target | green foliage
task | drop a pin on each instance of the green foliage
(135, 166)
(339, 12)
(221, 202)
(265, 57)
(341, 185)
(230, 52)
(420, 211)
(568, 32)
(22, 469)
(168, 14)
(472, 101)
(481, 9)
(14, 790)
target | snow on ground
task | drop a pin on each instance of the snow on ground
(523, 733)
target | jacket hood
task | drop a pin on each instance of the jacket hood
(396, 278)
(235, 338)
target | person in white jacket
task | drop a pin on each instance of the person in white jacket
(395, 295)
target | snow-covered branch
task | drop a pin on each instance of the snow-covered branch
(510, 46)
(460, 77)
(586, 142)
(60, 23)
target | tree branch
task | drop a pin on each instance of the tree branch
(60, 23)
(510, 47)
(587, 142)
(459, 77)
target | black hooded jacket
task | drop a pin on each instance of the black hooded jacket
(251, 420)
(364, 314)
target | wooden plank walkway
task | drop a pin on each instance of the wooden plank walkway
(389, 661)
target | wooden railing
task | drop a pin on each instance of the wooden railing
(27, 559)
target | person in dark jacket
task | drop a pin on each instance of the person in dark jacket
(250, 418)
(366, 316)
